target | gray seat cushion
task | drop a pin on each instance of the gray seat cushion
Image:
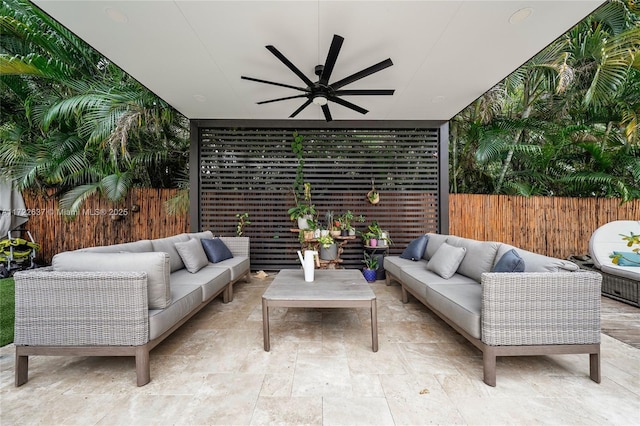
(395, 265)
(238, 265)
(418, 279)
(212, 280)
(185, 299)
(460, 303)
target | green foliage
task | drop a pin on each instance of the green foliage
(566, 123)
(74, 122)
(243, 220)
(370, 261)
(326, 240)
(7, 310)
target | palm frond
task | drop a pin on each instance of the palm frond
(72, 200)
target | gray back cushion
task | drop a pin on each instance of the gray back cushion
(201, 235)
(479, 258)
(434, 243)
(141, 246)
(155, 264)
(167, 245)
(534, 262)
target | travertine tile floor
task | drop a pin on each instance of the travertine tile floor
(321, 370)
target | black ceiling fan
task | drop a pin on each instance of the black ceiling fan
(321, 92)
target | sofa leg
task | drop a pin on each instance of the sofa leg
(227, 293)
(22, 369)
(489, 367)
(143, 369)
(594, 367)
(405, 295)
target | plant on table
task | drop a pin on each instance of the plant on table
(347, 219)
(326, 240)
(304, 208)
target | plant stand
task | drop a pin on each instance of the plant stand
(313, 244)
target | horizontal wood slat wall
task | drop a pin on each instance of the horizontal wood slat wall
(553, 226)
(253, 170)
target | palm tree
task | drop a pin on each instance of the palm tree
(76, 122)
(579, 94)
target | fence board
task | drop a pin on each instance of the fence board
(555, 226)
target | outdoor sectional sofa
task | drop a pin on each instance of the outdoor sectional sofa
(548, 307)
(123, 299)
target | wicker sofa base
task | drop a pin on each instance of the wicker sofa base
(141, 352)
(615, 287)
(490, 353)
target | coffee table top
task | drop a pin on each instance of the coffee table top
(333, 284)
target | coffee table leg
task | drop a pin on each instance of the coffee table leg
(265, 324)
(374, 325)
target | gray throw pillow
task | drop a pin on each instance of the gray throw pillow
(192, 255)
(216, 250)
(509, 262)
(415, 249)
(446, 259)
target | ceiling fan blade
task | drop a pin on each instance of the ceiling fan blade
(359, 92)
(281, 99)
(348, 104)
(273, 83)
(361, 74)
(330, 62)
(289, 65)
(327, 113)
(304, 105)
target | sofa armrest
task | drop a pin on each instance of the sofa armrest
(239, 246)
(541, 308)
(81, 308)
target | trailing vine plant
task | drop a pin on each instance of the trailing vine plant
(297, 147)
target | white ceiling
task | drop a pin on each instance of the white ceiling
(192, 53)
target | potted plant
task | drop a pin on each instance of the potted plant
(375, 234)
(346, 222)
(328, 248)
(304, 210)
(332, 225)
(370, 267)
(243, 220)
(373, 196)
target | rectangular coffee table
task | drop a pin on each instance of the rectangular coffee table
(338, 288)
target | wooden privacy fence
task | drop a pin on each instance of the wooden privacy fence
(142, 215)
(554, 226)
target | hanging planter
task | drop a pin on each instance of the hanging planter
(373, 196)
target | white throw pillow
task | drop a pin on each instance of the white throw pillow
(192, 255)
(446, 260)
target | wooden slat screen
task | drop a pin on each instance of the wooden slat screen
(253, 170)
